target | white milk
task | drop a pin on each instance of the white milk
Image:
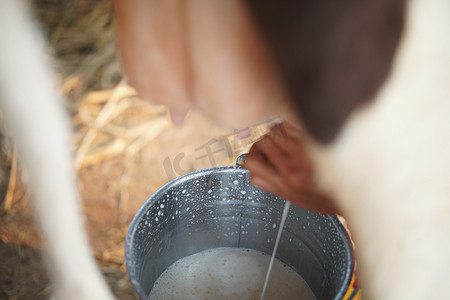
(228, 273)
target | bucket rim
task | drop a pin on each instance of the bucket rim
(343, 232)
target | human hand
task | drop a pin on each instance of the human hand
(203, 54)
(278, 163)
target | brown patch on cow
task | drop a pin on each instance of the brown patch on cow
(332, 55)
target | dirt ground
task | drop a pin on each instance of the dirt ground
(124, 149)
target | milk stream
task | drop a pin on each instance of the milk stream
(287, 204)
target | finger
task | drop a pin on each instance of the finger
(257, 150)
(276, 156)
(291, 167)
(262, 170)
(301, 192)
(287, 168)
(257, 162)
(291, 143)
(271, 183)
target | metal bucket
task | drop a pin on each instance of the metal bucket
(218, 207)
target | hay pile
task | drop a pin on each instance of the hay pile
(82, 40)
(108, 117)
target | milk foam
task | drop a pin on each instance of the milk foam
(228, 273)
